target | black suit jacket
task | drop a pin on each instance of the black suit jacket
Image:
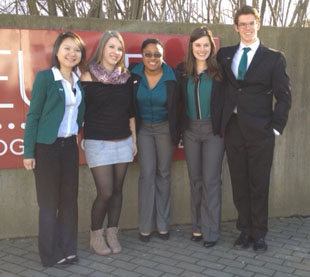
(265, 80)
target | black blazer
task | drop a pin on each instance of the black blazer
(172, 102)
(217, 101)
(265, 79)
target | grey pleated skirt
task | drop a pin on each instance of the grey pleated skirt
(106, 152)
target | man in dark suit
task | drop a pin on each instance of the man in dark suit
(255, 75)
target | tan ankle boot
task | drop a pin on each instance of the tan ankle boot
(97, 243)
(112, 240)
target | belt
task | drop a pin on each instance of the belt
(65, 140)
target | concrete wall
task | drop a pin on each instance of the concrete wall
(290, 185)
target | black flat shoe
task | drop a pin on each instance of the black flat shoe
(243, 241)
(260, 245)
(164, 236)
(144, 238)
(196, 238)
(208, 244)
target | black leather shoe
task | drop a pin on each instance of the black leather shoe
(62, 263)
(144, 238)
(73, 260)
(164, 236)
(208, 244)
(196, 238)
(260, 245)
(243, 241)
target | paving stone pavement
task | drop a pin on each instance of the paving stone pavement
(288, 255)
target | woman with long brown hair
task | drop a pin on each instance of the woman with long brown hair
(203, 97)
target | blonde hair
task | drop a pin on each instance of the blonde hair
(98, 55)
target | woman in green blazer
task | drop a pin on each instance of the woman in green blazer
(50, 148)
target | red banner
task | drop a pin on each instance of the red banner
(25, 52)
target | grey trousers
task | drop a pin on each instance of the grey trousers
(204, 155)
(155, 152)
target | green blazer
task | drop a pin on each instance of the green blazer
(46, 111)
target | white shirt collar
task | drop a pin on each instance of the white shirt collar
(253, 46)
(58, 76)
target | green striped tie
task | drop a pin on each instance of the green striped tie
(243, 63)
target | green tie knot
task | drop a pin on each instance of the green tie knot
(246, 50)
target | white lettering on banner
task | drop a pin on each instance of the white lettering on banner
(128, 56)
(82, 144)
(6, 106)
(21, 147)
(5, 78)
(21, 78)
(5, 52)
(5, 147)
(16, 146)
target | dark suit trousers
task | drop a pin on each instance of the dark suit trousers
(249, 165)
(56, 176)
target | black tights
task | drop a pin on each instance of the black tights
(109, 181)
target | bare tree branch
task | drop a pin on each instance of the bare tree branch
(272, 12)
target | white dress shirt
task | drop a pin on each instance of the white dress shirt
(68, 125)
(239, 53)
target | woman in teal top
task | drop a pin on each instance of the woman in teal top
(155, 90)
(50, 149)
(203, 97)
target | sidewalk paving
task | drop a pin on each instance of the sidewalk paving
(288, 254)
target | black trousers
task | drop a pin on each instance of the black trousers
(56, 177)
(250, 166)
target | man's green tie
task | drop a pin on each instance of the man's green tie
(243, 63)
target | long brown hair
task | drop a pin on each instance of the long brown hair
(213, 69)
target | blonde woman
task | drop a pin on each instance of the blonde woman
(110, 136)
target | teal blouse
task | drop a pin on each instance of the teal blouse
(152, 103)
(199, 97)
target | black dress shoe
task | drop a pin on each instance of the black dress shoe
(208, 244)
(62, 263)
(144, 238)
(73, 260)
(260, 245)
(164, 236)
(243, 241)
(196, 238)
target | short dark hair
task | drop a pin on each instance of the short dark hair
(58, 42)
(151, 41)
(246, 10)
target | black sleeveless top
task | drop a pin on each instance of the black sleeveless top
(108, 109)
